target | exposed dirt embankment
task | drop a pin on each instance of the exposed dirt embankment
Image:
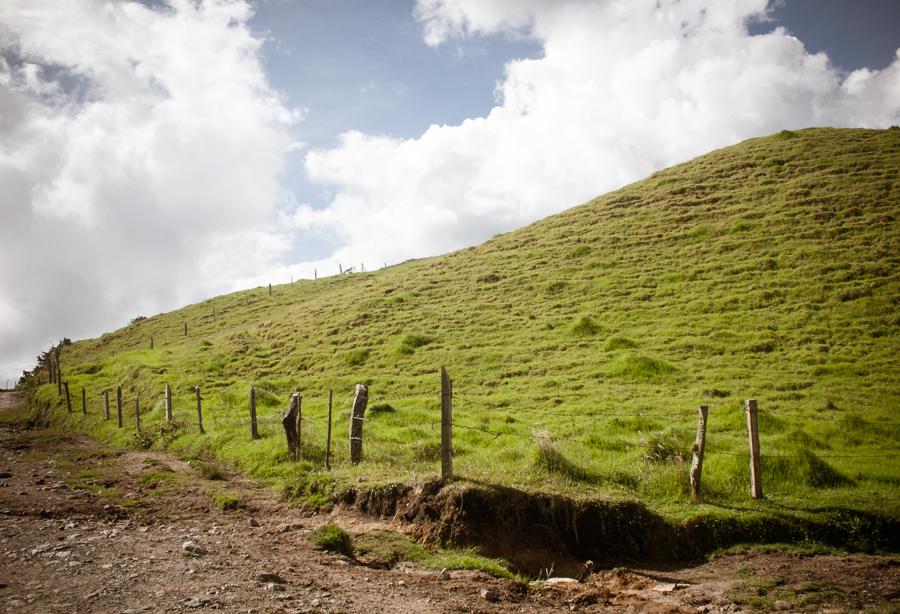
(531, 530)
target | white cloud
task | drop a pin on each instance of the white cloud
(624, 87)
(140, 153)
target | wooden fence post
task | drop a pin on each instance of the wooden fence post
(357, 416)
(58, 380)
(446, 425)
(137, 412)
(151, 342)
(697, 460)
(328, 436)
(199, 413)
(68, 400)
(83, 401)
(119, 404)
(254, 434)
(106, 403)
(270, 289)
(299, 425)
(289, 422)
(168, 403)
(753, 432)
(185, 329)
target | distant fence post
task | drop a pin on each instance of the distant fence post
(68, 400)
(168, 403)
(753, 432)
(185, 329)
(270, 289)
(697, 460)
(151, 342)
(446, 425)
(106, 403)
(119, 404)
(199, 413)
(83, 401)
(254, 434)
(328, 436)
(289, 422)
(58, 380)
(357, 416)
(137, 412)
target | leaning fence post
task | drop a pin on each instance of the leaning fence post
(753, 433)
(68, 400)
(289, 422)
(83, 401)
(106, 403)
(254, 434)
(697, 460)
(357, 416)
(119, 404)
(168, 403)
(446, 425)
(199, 414)
(137, 412)
(328, 436)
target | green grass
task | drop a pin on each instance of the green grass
(766, 270)
(332, 538)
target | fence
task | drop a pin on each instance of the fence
(300, 433)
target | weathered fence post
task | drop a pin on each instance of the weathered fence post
(119, 404)
(270, 289)
(106, 403)
(446, 425)
(137, 412)
(753, 432)
(151, 342)
(328, 436)
(697, 460)
(357, 416)
(254, 434)
(58, 380)
(289, 422)
(168, 403)
(83, 401)
(68, 400)
(199, 413)
(185, 329)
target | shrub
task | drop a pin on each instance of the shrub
(585, 326)
(355, 358)
(226, 501)
(332, 538)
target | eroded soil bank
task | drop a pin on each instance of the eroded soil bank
(88, 528)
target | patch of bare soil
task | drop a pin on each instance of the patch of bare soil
(87, 528)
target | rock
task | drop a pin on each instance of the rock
(5, 473)
(288, 527)
(193, 549)
(270, 577)
(781, 605)
(489, 594)
(560, 580)
(444, 575)
(196, 602)
(664, 588)
(253, 522)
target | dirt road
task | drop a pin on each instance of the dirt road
(88, 528)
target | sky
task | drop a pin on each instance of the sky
(156, 153)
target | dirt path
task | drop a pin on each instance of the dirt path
(87, 528)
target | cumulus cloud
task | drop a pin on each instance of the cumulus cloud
(140, 154)
(624, 88)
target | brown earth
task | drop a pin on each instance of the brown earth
(88, 528)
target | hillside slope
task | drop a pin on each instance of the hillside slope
(766, 270)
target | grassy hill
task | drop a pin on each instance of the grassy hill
(580, 346)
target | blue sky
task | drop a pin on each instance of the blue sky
(172, 150)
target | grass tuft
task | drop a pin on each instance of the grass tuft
(332, 538)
